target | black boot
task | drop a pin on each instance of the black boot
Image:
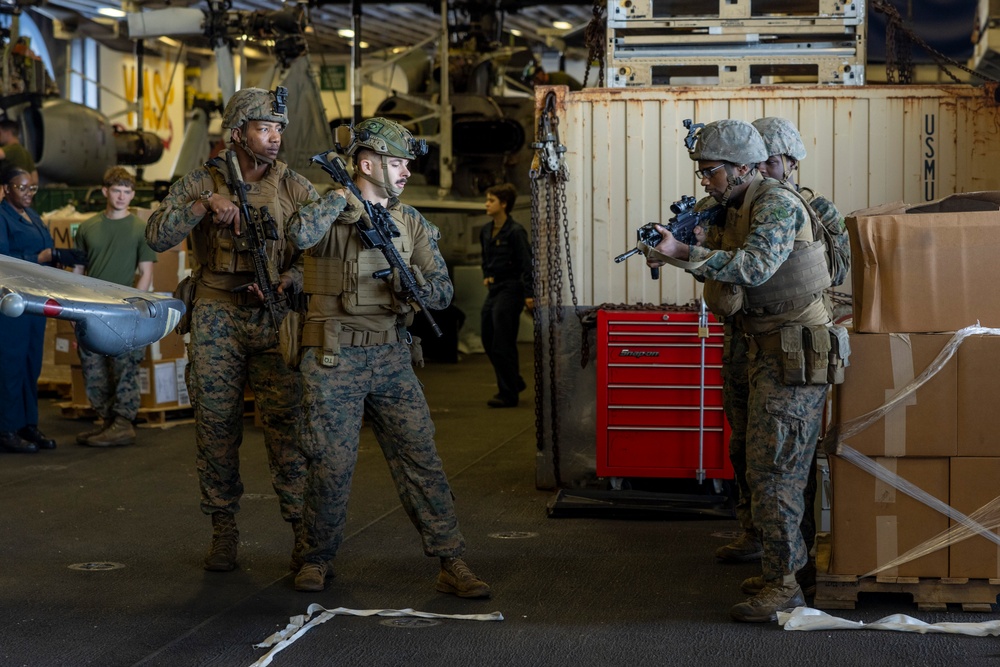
(225, 541)
(12, 442)
(32, 434)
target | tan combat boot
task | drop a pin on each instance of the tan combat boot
(777, 595)
(120, 433)
(806, 578)
(225, 540)
(312, 577)
(84, 438)
(456, 578)
(745, 548)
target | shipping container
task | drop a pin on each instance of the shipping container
(626, 164)
(867, 145)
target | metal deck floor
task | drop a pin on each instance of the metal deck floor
(580, 591)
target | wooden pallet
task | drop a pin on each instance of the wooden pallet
(76, 410)
(841, 591)
(56, 387)
(154, 417)
(171, 416)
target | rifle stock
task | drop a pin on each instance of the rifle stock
(379, 236)
(252, 236)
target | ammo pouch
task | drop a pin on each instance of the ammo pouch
(327, 336)
(840, 354)
(290, 339)
(793, 357)
(723, 299)
(416, 352)
(185, 293)
(827, 349)
(331, 343)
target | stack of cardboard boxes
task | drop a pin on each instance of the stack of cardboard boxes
(161, 374)
(917, 272)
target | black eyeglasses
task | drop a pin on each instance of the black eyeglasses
(707, 173)
(23, 188)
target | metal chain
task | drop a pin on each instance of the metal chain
(895, 51)
(548, 180)
(898, 55)
(536, 312)
(595, 37)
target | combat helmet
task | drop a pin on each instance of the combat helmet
(256, 104)
(781, 137)
(734, 141)
(385, 137)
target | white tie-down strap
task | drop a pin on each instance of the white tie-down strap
(804, 618)
(301, 624)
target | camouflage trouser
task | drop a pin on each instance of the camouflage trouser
(231, 344)
(735, 399)
(112, 383)
(379, 383)
(782, 428)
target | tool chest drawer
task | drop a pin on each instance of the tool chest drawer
(659, 395)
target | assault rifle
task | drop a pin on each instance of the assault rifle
(255, 227)
(681, 226)
(378, 234)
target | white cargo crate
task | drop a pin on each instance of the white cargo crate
(736, 70)
(709, 27)
(866, 145)
(653, 10)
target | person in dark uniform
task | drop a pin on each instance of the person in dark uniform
(22, 235)
(507, 276)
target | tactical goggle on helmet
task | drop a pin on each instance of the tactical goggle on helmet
(256, 104)
(734, 141)
(381, 135)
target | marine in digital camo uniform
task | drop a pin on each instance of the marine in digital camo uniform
(356, 361)
(233, 339)
(785, 152)
(764, 276)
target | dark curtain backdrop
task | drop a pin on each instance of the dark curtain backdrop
(945, 24)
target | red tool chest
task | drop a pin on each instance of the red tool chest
(659, 395)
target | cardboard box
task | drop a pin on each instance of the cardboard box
(973, 485)
(158, 384)
(873, 523)
(926, 268)
(171, 346)
(78, 394)
(169, 269)
(979, 396)
(66, 349)
(925, 424)
(63, 223)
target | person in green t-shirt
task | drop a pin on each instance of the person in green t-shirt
(115, 244)
(11, 150)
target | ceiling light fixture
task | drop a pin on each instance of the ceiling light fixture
(562, 25)
(111, 12)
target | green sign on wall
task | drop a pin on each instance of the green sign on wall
(333, 77)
